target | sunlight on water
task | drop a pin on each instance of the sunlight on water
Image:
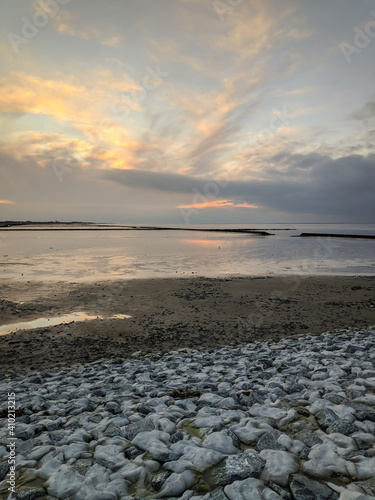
(57, 320)
(99, 255)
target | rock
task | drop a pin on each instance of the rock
(176, 484)
(64, 483)
(326, 417)
(269, 441)
(159, 479)
(323, 462)
(251, 431)
(279, 465)
(112, 430)
(265, 411)
(285, 495)
(156, 443)
(4, 469)
(310, 439)
(132, 452)
(238, 467)
(304, 488)
(220, 441)
(143, 425)
(113, 407)
(256, 397)
(249, 489)
(342, 426)
(30, 493)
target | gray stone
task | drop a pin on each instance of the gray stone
(342, 426)
(304, 488)
(96, 418)
(112, 430)
(268, 441)
(334, 398)
(30, 493)
(143, 425)
(309, 438)
(218, 495)
(4, 469)
(82, 465)
(256, 397)
(113, 407)
(132, 452)
(365, 415)
(326, 417)
(295, 388)
(285, 495)
(368, 485)
(237, 467)
(159, 479)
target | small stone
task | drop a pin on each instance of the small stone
(304, 488)
(30, 493)
(326, 417)
(159, 479)
(142, 425)
(269, 441)
(112, 430)
(256, 397)
(342, 426)
(132, 452)
(113, 407)
(238, 467)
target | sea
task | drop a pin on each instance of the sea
(92, 255)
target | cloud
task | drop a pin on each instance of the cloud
(366, 112)
(308, 184)
(6, 202)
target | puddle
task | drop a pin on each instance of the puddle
(57, 320)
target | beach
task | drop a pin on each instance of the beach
(168, 314)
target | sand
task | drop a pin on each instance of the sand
(173, 313)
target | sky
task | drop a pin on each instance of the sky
(187, 111)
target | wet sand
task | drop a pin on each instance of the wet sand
(169, 314)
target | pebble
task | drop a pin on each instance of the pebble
(292, 420)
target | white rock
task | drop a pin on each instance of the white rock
(200, 458)
(365, 467)
(220, 441)
(249, 489)
(64, 483)
(155, 442)
(176, 484)
(323, 462)
(251, 430)
(258, 410)
(111, 454)
(279, 465)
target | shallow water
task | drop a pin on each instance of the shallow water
(57, 320)
(98, 255)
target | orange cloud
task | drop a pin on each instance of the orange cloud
(218, 203)
(85, 101)
(7, 202)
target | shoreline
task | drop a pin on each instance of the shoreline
(171, 313)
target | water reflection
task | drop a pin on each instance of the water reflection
(56, 320)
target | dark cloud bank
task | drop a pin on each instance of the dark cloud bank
(300, 184)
